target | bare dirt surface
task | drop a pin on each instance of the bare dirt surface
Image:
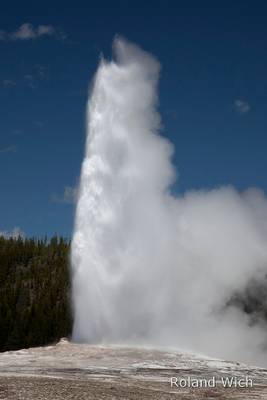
(78, 371)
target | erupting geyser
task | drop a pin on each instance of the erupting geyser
(147, 267)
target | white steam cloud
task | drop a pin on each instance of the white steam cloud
(150, 268)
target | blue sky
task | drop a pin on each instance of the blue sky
(213, 96)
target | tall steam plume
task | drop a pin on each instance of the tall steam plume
(150, 268)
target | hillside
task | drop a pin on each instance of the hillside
(34, 292)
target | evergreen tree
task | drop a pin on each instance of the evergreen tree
(34, 292)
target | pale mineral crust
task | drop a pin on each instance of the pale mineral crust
(80, 371)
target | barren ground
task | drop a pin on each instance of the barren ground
(78, 371)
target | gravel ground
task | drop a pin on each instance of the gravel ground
(75, 371)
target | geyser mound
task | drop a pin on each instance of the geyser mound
(149, 267)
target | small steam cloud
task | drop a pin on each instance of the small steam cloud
(241, 106)
(27, 31)
(148, 267)
(69, 195)
(8, 149)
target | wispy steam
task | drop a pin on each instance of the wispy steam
(8, 149)
(8, 83)
(69, 195)
(241, 106)
(149, 267)
(28, 32)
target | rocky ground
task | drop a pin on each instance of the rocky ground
(78, 371)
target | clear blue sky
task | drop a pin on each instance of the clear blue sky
(213, 95)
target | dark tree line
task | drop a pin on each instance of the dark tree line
(34, 292)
